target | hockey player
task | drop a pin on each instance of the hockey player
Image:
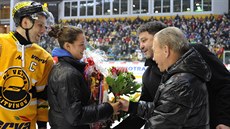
(24, 69)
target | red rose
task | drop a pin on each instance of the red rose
(90, 61)
(114, 71)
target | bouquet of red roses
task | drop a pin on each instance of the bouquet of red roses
(117, 81)
(121, 82)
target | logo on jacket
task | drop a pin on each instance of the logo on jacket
(14, 91)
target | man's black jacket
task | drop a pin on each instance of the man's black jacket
(218, 89)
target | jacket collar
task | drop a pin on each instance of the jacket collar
(149, 62)
(79, 65)
(190, 62)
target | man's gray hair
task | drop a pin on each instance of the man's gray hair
(174, 38)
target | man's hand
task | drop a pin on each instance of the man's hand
(124, 104)
(221, 126)
(116, 107)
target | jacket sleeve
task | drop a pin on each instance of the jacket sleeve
(41, 88)
(218, 87)
(70, 98)
(222, 103)
(171, 107)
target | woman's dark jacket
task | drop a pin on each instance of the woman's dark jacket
(181, 100)
(69, 95)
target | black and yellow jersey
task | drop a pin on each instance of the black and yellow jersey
(24, 73)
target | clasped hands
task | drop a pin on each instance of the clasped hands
(120, 105)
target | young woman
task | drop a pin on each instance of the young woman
(68, 93)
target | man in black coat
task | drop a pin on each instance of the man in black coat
(218, 87)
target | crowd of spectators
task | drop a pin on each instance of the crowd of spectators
(117, 37)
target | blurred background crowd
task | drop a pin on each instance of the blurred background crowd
(117, 39)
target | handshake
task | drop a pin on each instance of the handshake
(120, 105)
